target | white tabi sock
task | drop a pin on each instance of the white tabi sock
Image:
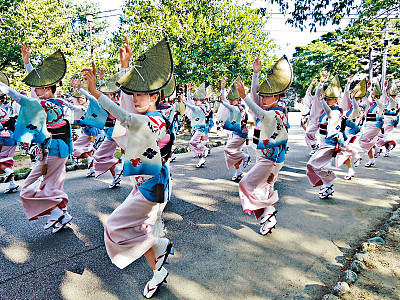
(55, 213)
(8, 171)
(12, 184)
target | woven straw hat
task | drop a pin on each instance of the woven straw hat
(233, 92)
(279, 78)
(49, 72)
(150, 72)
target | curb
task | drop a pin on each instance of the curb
(362, 258)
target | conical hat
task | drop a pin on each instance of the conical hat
(150, 72)
(362, 89)
(50, 71)
(209, 92)
(377, 89)
(4, 79)
(334, 89)
(233, 92)
(110, 85)
(279, 78)
(169, 89)
(77, 94)
(393, 90)
(182, 108)
(200, 93)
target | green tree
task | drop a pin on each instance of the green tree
(46, 25)
(306, 13)
(209, 39)
(343, 53)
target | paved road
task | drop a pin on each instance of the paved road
(218, 251)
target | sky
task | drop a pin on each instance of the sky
(287, 37)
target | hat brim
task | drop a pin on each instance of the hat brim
(279, 78)
(49, 72)
(4, 79)
(150, 72)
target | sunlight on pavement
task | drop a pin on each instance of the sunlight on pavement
(192, 290)
(17, 250)
(82, 237)
(85, 286)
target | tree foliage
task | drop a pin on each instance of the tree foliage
(209, 39)
(45, 25)
(307, 13)
(346, 52)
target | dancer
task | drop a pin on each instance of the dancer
(130, 229)
(197, 115)
(104, 159)
(236, 123)
(7, 143)
(316, 112)
(256, 189)
(390, 118)
(331, 140)
(353, 106)
(373, 124)
(42, 193)
(84, 145)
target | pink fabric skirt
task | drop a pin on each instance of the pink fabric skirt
(310, 136)
(104, 158)
(82, 145)
(38, 201)
(347, 151)
(316, 173)
(6, 154)
(197, 146)
(233, 150)
(254, 191)
(383, 138)
(128, 230)
(369, 137)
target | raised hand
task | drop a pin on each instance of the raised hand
(325, 78)
(25, 53)
(89, 74)
(223, 84)
(102, 74)
(257, 65)
(125, 54)
(350, 80)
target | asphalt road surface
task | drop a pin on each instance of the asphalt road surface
(219, 253)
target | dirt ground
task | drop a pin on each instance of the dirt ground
(381, 281)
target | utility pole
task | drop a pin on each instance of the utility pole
(385, 45)
(89, 18)
(371, 65)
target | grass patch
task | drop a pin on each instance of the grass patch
(23, 170)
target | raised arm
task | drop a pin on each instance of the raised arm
(326, 108)
(5, 89)
(258, 111)
(308, 97)
(25, 54)
(346, 99)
